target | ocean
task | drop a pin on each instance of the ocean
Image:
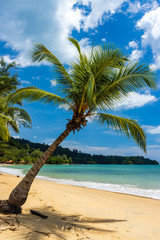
(140, 180)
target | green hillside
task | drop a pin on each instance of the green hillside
(21, 151)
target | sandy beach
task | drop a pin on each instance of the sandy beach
(76, 213)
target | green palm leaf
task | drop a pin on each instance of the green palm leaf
(105, 58)
(126, 80)
(20, 116)
(13, 125)
(4, 132)
(125, 126)
(6, 85)
(89, 73)
(10, 117)
(33, 94)
(76, 44)
(42, 53)
(6, 122)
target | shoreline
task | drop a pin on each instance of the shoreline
(79, 213)
(108, 187)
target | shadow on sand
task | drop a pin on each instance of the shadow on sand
(56, 226)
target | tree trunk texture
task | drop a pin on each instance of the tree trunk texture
(20, 193)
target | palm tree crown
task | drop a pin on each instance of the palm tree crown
(10, 116)
(95, 83)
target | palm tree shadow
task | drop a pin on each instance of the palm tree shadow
(58, 225)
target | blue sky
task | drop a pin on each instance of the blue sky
(133, 26)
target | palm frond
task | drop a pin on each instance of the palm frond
(104, 58)
(91, 90)
(90, 72)
(128, 79)
(81, 74)
(4, 132)
(42, 53)
(9, 122)
(5, 118)
(6, 122)
(13, 125)
(76, 44)
(6, 85)
(20, 116)
(33, 94)
(125, 126)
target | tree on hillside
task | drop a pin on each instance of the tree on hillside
(10, 116)
(92, 86)
(8, 80)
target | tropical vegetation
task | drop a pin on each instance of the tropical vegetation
(11, 117)
(92, 86)
(22, 151)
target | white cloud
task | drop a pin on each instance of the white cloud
(152, 129)
(16, 137)
(92, 118)
(137, 6)
(134, 7)
(51, 22)
(156, 64)
(35, 137)
(136, 55)
(24, 22)
(49, 141)
(53, 83)
(25, 82)
(85, 44)
(63, 106)
(150, 24)
(136, 100)
(111, 132)
(35, 78)
(133, 44)
(100, 10)
(7, 59)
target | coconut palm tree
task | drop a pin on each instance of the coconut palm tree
(8, 82)
(4, 131)
(11, 117)
(91, 87)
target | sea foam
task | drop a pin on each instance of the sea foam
(12, 171)
(118, 188)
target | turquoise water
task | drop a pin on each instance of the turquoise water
(142, 180)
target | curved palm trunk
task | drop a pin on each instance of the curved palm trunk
(20, 193)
